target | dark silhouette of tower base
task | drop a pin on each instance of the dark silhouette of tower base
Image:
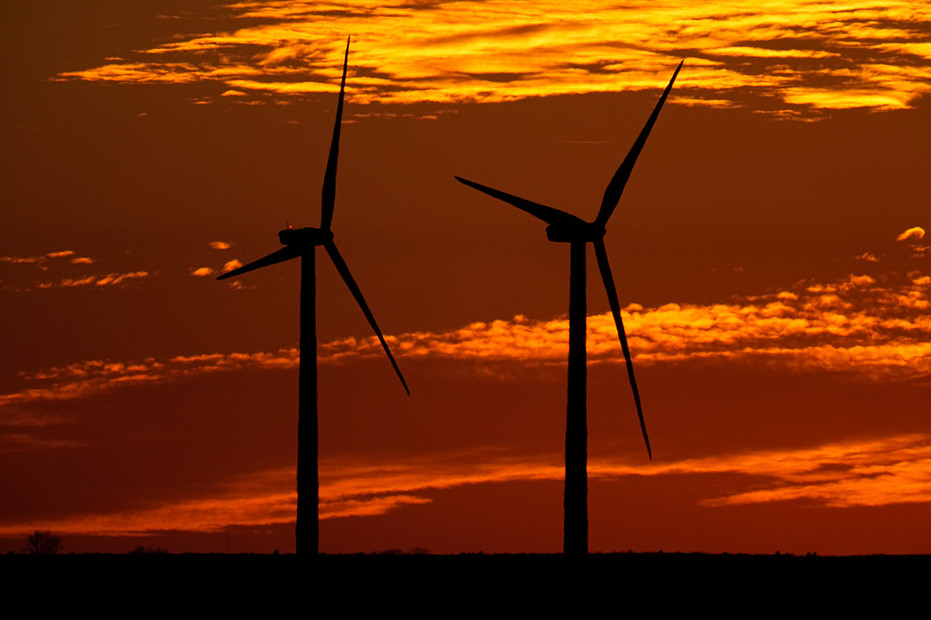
(575, 502)
(307, 530)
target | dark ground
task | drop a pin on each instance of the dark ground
(480, 586)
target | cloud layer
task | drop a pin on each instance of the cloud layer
(870, 328)
(44, 263)
(791, 57)
(884, 471)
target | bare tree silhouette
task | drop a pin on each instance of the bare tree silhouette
(566, 228)
(43, 543)
(302, 243)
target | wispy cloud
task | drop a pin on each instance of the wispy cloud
(797, 55)
(93, 377)
(913, 236)
(875, 329)
(877, 472)
(57, 263)
(41, 261)
(916, 232)
(264, 498)
(110, 279)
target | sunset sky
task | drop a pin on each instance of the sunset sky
(770, 253)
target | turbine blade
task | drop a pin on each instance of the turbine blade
(279, 256)
(354, 289)
(547, 214)
(602, 256)
(329, 178)
(616, 187)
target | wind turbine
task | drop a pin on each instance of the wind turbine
(302, 243)
(566, 228)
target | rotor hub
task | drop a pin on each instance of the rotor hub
(584, 231)
(305, 236)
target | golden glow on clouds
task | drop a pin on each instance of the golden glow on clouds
(232, 264)
(110, 279)
(261, 499)
(42, 260)
(798, 54)
(874, 327)
(877, 472)
(94, 377)
(44, 263)
(915, 232)
(858, 325)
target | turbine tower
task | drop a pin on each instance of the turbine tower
(566, 228)
(302, 243)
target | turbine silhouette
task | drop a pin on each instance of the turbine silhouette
(301, 243)
(566, 228)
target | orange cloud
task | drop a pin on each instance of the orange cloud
(893, 470)
(916, 232)
(498, 51)
(878, 472)
(260, 499)
(110, 279)
(853, 326)
(859, 326)
(89, 378)
(40, 260)
(43, 262)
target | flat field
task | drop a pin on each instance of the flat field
(635, 585)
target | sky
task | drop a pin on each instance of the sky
(770, 253)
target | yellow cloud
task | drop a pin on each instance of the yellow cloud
(840, 99)
(201, 272)
(916, 232)
(507, 49)
(762, 52)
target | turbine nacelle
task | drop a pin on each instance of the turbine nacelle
(305, 237)
(582, 231)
